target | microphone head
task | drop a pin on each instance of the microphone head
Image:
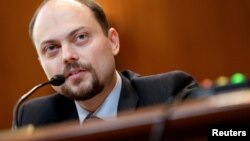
(57, 80)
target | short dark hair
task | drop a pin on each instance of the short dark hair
(97, 10)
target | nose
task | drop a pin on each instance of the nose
(69, 54)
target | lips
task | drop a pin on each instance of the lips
(73, 72)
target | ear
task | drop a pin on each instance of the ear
(114, 39)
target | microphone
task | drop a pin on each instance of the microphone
(56, 80)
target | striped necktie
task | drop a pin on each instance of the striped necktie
(91, 117)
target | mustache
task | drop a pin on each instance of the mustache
(76, 65)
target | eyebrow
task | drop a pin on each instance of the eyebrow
(74, 31)
(69, 35)
(46, 42)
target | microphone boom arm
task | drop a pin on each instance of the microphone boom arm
(21, 100)
(56, 80)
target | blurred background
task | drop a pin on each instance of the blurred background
(206, 38)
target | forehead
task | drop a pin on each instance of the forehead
(58, 16)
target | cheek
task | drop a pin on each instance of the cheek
(101, 54)
(104, 61)
(51, 68)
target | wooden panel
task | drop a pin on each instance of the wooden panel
(206, 38)
(187, 121)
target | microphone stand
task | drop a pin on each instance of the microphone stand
(56, 80)
(21, 100)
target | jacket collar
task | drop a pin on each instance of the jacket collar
(128, 98)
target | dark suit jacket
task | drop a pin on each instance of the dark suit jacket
(136, 92)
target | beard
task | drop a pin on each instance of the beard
(83, 93)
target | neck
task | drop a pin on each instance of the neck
(94, 103)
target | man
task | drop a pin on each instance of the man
(73, 38)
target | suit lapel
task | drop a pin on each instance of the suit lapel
(128, 98)
(66, 110)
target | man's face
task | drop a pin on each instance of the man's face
(70, 41)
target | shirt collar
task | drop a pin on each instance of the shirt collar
(108, 109)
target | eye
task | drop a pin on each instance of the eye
(50, 50)
(81, 38)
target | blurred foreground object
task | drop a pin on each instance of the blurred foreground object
(184, 121)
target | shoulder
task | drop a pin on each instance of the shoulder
(42, 105)
(176, 76)
(45, 110)
(46, 101)
(45, 104)
(163, 87)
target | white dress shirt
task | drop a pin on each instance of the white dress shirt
(108, 109)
